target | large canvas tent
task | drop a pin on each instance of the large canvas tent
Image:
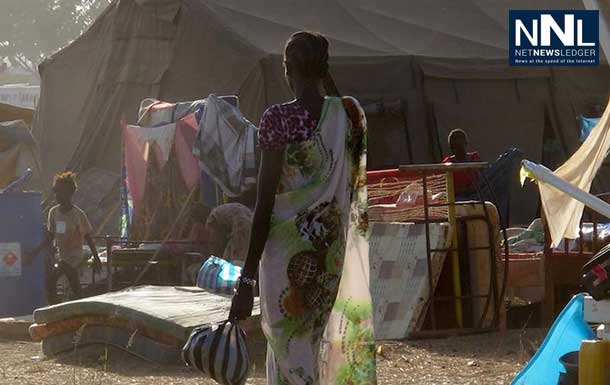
(422, 68)
(18, 149)
(18, 153)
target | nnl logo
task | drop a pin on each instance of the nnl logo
(563, 38)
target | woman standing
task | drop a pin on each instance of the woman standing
(310, 227)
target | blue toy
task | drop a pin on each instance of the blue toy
(566, 334)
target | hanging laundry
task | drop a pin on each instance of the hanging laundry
(225, 145)
(563, 213)
(209, 192)
(154, 112)
(138, 141)
(498, 181)
(186, 131)
(186, 108)
(135, 162)
(161, 139)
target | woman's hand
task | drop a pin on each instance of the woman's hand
(268, 180)
(243, 302)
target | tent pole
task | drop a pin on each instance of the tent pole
(455, 256)
(545, 175)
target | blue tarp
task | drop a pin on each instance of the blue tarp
(586, 125)
(23, 287)
(565, 336)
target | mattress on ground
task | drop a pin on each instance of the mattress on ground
(132, 342)
(399, 274)
(15, 327)
(39, 332)
(173, 311)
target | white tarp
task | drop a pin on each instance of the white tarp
(562, 212)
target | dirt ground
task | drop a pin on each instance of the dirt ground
(490, 359)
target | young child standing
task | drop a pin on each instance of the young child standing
(68, 226)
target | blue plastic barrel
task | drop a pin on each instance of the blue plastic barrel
(22, 287)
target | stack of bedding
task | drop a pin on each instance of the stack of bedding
(151, 322)
(531, 239)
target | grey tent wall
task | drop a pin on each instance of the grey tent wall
(68, 81)
(134, 51)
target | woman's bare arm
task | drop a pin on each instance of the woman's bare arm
(268, 179)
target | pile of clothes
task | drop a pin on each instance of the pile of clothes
(173, 149)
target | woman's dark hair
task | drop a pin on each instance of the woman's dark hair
(65, 179)
(307, 53)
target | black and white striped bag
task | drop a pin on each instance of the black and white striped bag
(219, 351)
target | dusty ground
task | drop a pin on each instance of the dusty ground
(491, 359)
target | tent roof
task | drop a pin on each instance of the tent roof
(178, 50)
(435, 28)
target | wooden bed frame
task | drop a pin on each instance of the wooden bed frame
(553, 276)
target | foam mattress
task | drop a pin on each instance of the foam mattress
(154, 321)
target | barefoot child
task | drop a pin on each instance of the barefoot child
(68, 226)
